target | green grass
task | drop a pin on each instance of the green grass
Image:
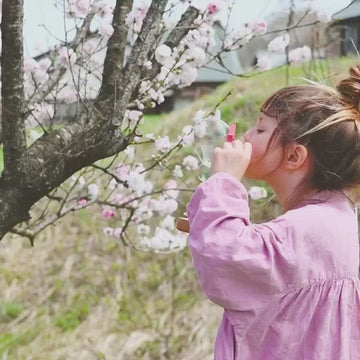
(10, 311)
(72, 318)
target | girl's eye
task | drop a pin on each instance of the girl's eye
(259, 131)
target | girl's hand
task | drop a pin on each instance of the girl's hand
(233, 158)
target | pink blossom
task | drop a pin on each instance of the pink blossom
(90, 46)
(66, 55)
(106, 29)
(300, 55)
(105, 11)
(70, 96)
(122, 171)
(30, 65)
(44, 64)
(215, 6)
(118, 232)
(79, 8)
(136, 16)
(83, 6)
(258, 27)
(82, 202)
(108, 213)
(40, 76)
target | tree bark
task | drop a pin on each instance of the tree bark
(12, 90)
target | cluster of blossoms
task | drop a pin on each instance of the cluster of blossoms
(241, 37)
(178, 65)
(280, 43)
(36, 73)
(136, 16)
(144, 208)
(81, 8)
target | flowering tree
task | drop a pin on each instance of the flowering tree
(50, 171)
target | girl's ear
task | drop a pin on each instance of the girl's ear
(295, 156)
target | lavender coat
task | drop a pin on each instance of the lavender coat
(289, 287)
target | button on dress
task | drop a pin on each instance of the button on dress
(289, 287)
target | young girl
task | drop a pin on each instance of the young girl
(289, 287)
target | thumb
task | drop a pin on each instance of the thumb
(247, 148)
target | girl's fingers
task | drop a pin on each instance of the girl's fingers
(237, 144)
(227, 145)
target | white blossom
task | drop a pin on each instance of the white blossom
(257, 193)
(197, 54)
(168, 223)
(163, 144)
(264, 62)
(279, 43)
(171, 184)
(300, 55)
(177, 172)
(200, 128)
(108, 231)
(238, 38)
(188, 137)
(143, 229)
(190, 163)
(162, 53)
(93, 190)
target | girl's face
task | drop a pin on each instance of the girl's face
(263, 161)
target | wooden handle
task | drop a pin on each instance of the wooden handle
(183, 224)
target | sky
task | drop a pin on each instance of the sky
(44, 23)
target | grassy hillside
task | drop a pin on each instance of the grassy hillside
(80, 295)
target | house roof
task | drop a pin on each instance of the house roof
(214, 72)
(350, 12)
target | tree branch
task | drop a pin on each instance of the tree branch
(55, 77)
(175, 36)
(12, 91)
(131, 74)
(116, 46)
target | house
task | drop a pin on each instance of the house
(347, 24)
(209, 77)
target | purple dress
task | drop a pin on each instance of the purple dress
(289, 287)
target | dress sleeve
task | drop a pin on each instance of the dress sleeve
(240, 266)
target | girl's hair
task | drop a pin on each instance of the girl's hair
(327, 121)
